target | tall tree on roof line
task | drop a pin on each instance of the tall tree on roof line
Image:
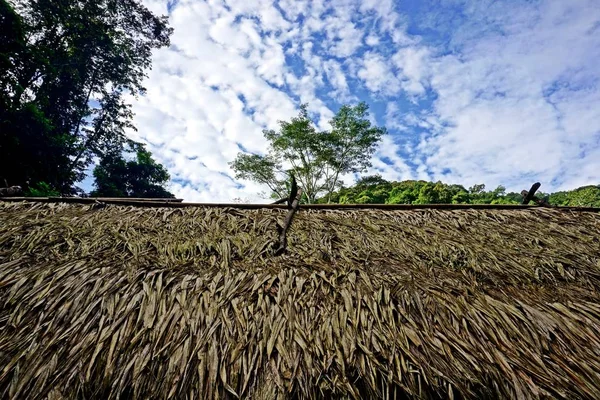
(317, 159)
(67, 70)
(142, 177)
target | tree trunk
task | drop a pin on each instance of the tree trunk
(332, 187)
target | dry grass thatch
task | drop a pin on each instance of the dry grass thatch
(191, 303)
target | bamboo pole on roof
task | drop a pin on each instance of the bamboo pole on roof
(243, 206)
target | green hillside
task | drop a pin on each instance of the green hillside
(376, 190)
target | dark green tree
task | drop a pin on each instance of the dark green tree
(70, 65)
(25, 142)
(141, 177)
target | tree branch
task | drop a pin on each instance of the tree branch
(86, 101)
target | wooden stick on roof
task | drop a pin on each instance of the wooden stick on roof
(293, 206)
(281, 201)
(530, 195)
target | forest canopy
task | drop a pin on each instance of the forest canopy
(376, 190)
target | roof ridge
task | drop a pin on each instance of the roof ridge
(178, 203)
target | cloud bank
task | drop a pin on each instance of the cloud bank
(471, 92)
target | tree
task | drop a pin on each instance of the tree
(353, 141)
(406, 192)
(370, 181)
(12, 45)
(371, 189)
(477, 189)
(142, 177)
(585, 196)
(317, 159)
(25, 144)
(68, 66)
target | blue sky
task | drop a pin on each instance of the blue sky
(494, 92)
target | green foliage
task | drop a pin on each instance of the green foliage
(55, 56)
(352, 142)
(260, 169)
(142, 177)
(375, 190)
(317, 159)
(42, 189)
(584, 196)
(12, 41)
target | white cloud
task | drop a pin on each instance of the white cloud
(390, 165)
(372, 40)
(394, 118)
(507, 94)
(377, 74)
(387, 19)
(344, 37)
(412, 63)
(503, 129)
(337, 79)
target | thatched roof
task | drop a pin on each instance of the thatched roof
(106, 301)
